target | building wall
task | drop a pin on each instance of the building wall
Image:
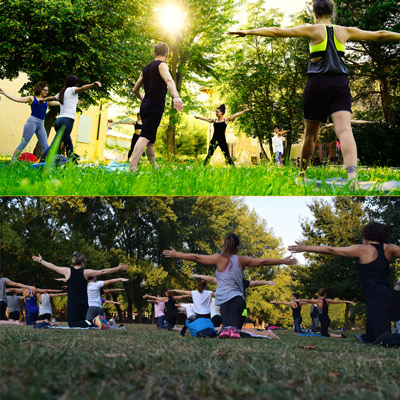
(88, 134)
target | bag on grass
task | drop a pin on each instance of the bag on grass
(201, 327)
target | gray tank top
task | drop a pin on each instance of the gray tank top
(229, 282)
(13, 303)
(44, 305)
(3, 294)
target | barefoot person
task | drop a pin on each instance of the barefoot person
(68, 98)
(219, 139)
(229, 273)
(35, 123)
(327, 92)
(295, 305)
(77, 277)
(322, 304)
(138, 129)
(156, 80)
(373, 259)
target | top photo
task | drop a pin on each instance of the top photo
(199, 97)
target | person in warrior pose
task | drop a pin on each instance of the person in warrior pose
(138, 129)
(156, 80)
(219, 139)
(295, 305)
(327, 92)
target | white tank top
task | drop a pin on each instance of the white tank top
(44, 305)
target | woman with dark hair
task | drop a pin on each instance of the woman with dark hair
(229, 273)
(35, 123)
(322, 306)
(170, 304)
(68, 98)
(77, 277)
(373, 259)
(327, 92)
(295, 305)
(219, 139)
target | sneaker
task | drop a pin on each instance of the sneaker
(359, 339)
(234, 333)
(101, 322)
(224, 333)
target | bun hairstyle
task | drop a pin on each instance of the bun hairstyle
(323, 8)
(78, 259)
(39, 87)
(231, 243)
(222, 108)
(322, 292)
(201, 285)
(70, 81)
(376, 232)
(296, 295)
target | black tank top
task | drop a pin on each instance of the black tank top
(77, 287)
(138, 127)
(324, 307)
(220, 128)
(154, 85)
(170, 305)
(297, 310)
(374, 274)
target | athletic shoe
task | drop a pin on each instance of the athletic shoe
(224, 333)
(359, 339)
(234, 333)
(101, 323)
(383, 338)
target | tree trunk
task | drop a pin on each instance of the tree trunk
(386, 100)
(171, 140)
(346, 316)
(140, 316)
(117, 306)
(48, 124)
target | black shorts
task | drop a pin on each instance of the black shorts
(44, 316)
(151, 115)
(14, 315)
(324, 95)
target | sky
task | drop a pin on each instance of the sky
(283, 215)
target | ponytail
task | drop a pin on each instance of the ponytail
(201, 285)
(70, 81)
(231, 242)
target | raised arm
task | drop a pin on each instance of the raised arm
(377, 36)
(188, 293)
(136, 88)
(231, 118)
(207, 278)
(49, 99)
(282, 303)
(164, 72)
(260, 262)
(113, 290)
(330, 301)
(20, 285)
(199, 258)
(26, 99)
(210, 120)
(60, 270)
(53, 103)
(355, 251)
(113, 302)
(182, 297)
(298, 31)
(111, 281)
(155, 298)
(100, 272)
(261, 283)
(57, 295)
(89, 86)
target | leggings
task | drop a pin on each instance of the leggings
(325, 321)
(76, 315)
(297, 324)
(221, 142)
(34, 125)
(135, 138)
(68, 123)
(3, 308)
(231, 311)
(171, 318)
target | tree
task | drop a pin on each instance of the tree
(96, 40)
(374, 62)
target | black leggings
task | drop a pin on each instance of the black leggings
(171, 318)
(3, 308)
(135, 138)
(76, 314)
(325, 321)
(221, 142)
(232, 310)
(216, 320)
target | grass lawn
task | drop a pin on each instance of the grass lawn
(180, 179)
(145, 363)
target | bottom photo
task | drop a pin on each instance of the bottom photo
(199, 297)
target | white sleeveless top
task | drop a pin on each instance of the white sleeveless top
(229, 282)
(44, 305)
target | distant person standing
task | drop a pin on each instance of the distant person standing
(156, 80)
(138, 129)
(277, 145)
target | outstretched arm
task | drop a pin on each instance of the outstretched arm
(112, 302)
(261, 283)
(57, 295)
(182, 297)
(199, 258)
(89, 86)
(355, 251)
(95, 272)
(340, 302)
(231, 118)
(110, 281)
(298, 31)
(377, 36)
(207, 278)
(282, 303)
(60, 270)
(20, 285)
(188, 293)
(210, 120)
(113, 290)
(26, 99)
(136, 88)
(164, 72)
(260, 262)
(163, 299)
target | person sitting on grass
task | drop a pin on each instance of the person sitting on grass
(94, 296)
(322, 306)
(295, 304)
(77, 277)
(229, 273)
(13, 301)
(373, 260)
(45, 310)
